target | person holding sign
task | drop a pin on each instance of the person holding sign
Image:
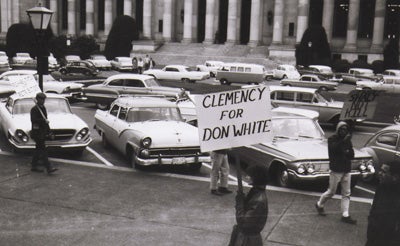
(39, 132)
(340, 151)
(219, 172)
(251, 210)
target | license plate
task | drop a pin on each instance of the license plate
(178, 160)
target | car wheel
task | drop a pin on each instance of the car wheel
(186, 80)
(323, 88)
(102, 106)
(282, 177)
(104, 140)
(63, 71)
(224, 82)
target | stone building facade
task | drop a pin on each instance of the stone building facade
(356, 29)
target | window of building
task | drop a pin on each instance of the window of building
(392, 19)
(160, 25)
(100, 15)
(82, 15)
(366, 19)
(291, 29)
(340, 17)
(362, 58)
(64, 14)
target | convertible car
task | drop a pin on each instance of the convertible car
(150, 131)
(69, 131)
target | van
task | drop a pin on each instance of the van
(240, 73)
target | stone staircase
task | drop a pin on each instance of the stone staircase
(197, 53)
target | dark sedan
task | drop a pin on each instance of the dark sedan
(83, 67)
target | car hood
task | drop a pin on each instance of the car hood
(315, 149)
(168, 133)
(336, 104)
(57, 121)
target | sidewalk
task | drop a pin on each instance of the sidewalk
(84, 205)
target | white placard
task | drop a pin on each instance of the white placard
(360, 104)
(25, 85)
(234, 118)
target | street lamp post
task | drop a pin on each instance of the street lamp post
(40, 18)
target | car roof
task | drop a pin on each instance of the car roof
(175, 65)
(286, 65)
(49, 95)
(393, 70)
(144, 101)
(361, 69)
(394, 127)
(241, 64)
(129, 76)
(19, 71)
(320, 66)
(291, 88)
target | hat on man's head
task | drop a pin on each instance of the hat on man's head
(40, 95)
(341, 124)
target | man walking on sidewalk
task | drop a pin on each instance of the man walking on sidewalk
(340, 150)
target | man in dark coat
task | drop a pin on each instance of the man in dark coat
(39, 132)
(251, 210)
(340, 150)
(384, 216)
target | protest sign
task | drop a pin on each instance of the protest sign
(25, 85)
(234, 118)
(360, 105)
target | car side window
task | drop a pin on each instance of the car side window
(114, 110)
(171, 69)
(116, 82)
(240, 69)
(233, 69)
(388, 139)
(122, 113)
(304, 97)
(285, 95)
(247, 70)
(134, 83)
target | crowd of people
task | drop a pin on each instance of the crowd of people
(140, 64)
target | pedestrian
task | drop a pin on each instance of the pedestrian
(140, 65)
(219, 172)
(146, 62)
(40, 131)
(340, 151)
(152, 63)
(251, 210)
(134, 65)
(384, 216)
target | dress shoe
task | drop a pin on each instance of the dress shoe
(37, 170)
(51, 170)
(349, 220)
(216, 193)
(320, 210)
(224, 190)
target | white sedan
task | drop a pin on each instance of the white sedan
(70, 132)
(286, 71)
(100, 62)
(21, 58)
(50, 85)
(177, 72)
(121, 63)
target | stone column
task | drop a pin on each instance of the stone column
(167, 21)
(302, 18)
(187, 21)
(209, 32)
(89, 17)
(15, 11)
(54, 18)
(255, 26)
(147, 15)
(232, 22)
(128, 7)
(277, 35)
(352, 25)
(379, 24)
(4, 15)
(107, 16)
(327, 18)
(71, 18)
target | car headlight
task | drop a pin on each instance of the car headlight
(306, 168)
(301, 169)
(371, 168)
(145, 142)
(82, 133)
(21, 135)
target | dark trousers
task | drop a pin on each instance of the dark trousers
(40, 154)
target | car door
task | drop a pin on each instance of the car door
(109, 123)
(119, 126)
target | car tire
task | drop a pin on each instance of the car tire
(102, 106)
(282, 177)
(323, 88)
(63, 71)
(104, 140)
(185, 80)
(224, 82)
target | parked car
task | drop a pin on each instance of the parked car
(311, 81)
(389, 84)
(286, 72)
(70, 132)
(71, 58)
(4, 64)
(384, 146)
(150, 131)
(20, 58)
(120, 63)
(69, 90)
(298, 152)
(210, 66)
(32, 64)
(391, 72)
(356, 74)
(177, 72)
(100, 62)
(124, 84)
(244, 73)
(322, 70)
(53, 63)
(307, 98)
(83, 67)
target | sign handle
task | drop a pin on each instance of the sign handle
(239, 173)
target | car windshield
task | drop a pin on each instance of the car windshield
(53, 105)
(23, 55)
(151, 82)
(154, 114)
(296, 128)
